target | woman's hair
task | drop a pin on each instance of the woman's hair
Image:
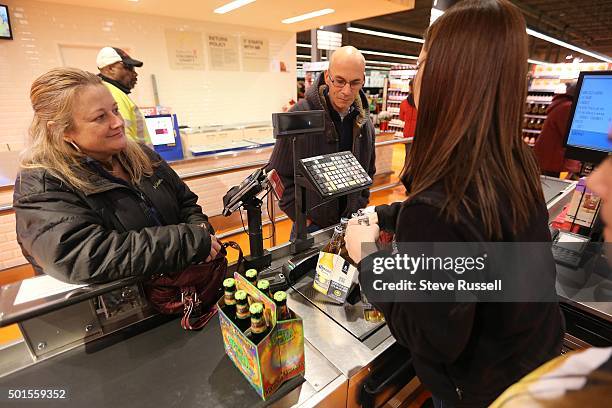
(468, 132)
(53, 96)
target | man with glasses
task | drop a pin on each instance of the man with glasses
(118, 74)
(338, 92)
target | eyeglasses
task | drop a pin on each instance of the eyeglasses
(128, 67)
(341, 82)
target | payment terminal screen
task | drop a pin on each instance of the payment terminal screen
(161, 129)
(592, 120)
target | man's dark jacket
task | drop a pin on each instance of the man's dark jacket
(363, 149)
(114, 231)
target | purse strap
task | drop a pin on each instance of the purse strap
(235, 246)
(190, 300)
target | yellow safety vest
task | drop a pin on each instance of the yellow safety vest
(135, 127)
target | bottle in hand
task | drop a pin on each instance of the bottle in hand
(259, 328)
(282, 311)
(243, 317)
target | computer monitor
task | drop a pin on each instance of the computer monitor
(587, 138)
(165, 136)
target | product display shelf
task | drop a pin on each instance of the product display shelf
(397, 90)
(535, 114)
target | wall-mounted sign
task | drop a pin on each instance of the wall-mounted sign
(222, 52)
(185, 49)
(255, 54)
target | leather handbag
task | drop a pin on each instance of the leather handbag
(192, 292)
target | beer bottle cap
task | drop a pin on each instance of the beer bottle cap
(251, 273)
(229, 282)
(240, 295)
(256, 308)
(263, 284)
(280, 296)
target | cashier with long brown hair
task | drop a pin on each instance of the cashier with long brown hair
(470, 90)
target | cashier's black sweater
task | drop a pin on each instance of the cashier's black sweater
(468, 353)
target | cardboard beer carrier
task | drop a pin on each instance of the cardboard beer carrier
(277, 358)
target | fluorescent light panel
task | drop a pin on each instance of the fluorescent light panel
(304, 45)
(383, 62)
(307, 16)
(553, 40)
(232, 5)
(531, 61)
(386, 35)
(389, 54)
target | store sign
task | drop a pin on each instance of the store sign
(328, 40)
(255, 54)
(222, 52)
(185, 49)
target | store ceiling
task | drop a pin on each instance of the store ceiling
(585, 23)
(261, 13)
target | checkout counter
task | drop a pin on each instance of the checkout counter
(103, 345)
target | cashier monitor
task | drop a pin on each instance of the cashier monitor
(165, 136)
(591, 118)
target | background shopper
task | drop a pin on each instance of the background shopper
(549, 148)
(118, 71)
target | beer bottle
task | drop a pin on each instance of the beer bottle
(370, 313)
(229, 292)
(264, 286)
(344, 224)
(243, 318)
(251, 275)
(282, 311)
(259, 329)
(334, 244)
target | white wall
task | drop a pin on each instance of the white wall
(44, 32)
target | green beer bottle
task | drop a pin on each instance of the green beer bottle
(282, 311)
(229, 292)
(243, 318)
(259, 329)
(264, 286)
(251, 275)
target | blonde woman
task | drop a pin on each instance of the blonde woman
(93, 206)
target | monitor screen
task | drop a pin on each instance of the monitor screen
(161, 129)
(591, 119)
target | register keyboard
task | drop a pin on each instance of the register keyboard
(335, 173)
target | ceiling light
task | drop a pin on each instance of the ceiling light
(232, 5)
(307, 16)
(378, 68)
(531, 61)
(569, 57)
(386, 35)
(383, 62)
(569, 46)
(304, 45)
(388, 54)
(304, 56)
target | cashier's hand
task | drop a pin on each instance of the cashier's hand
(356, 235)
(372, 217)
(215, 247)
